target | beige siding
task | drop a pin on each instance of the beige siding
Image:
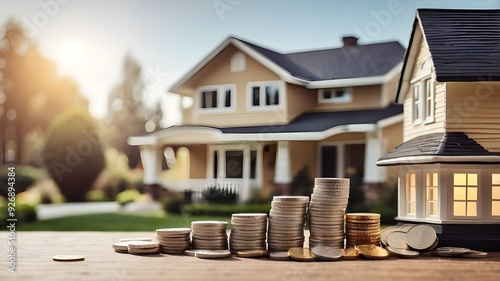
(392, 136)
(300, 99)
(363, 97)
(268, 166)
(217, 72)
(345, 138)
(423, 55)
(198, 161)
(474, 108)
(414, 130)
(303, 154)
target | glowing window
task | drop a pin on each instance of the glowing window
(465, 194)
(431, 194)
(411, 193)
(495, 194)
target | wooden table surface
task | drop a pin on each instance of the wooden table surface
(35, 251)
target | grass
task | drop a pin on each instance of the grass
(115, 222)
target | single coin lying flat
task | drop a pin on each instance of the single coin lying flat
(68, 258)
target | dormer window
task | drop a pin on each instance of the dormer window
(423, 101)
(217, 97)
(335, 95)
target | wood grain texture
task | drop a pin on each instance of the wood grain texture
(35, 251)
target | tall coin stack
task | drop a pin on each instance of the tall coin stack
(209, 235)
(362, 229)
(248, 232)
(174, 241)
(326, 212)
(286, 222)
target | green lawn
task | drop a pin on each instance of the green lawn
(115, 222)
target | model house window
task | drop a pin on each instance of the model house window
(217, 97)
(495, 194)
(431, 194)
(423, 101)
(335, 95)
(411, 193)
(238, 62)
(465, 191)
(266, 94)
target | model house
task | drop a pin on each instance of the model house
(449, 162)
(259, 116)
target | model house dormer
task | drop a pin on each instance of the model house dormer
(450, 159)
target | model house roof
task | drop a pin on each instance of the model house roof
(321, 121)
(436, 148)
(350, 65)
(464, 44)
(351, 61)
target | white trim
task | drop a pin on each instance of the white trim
(432, 159)
(347, 98)
(450, 194)
(221, 93)
(262, 99)
(389, 121)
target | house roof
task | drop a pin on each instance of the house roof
(321, 121)
(309, 126)
(464, 44)
(439, 148)
(336, 67)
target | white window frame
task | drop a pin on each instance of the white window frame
(425, 86)
(347, 98)
(221, 91)
(262, 85)
(479, 201)
(490, 199)
(428, 98)
(438, 199)
(238, 62)
(405, 194)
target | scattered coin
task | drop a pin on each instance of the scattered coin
(372, 252)
(404, 253)
(451, 251)
(121, 247)
(301, 254)
(421, 237)
(68, 258)
(349, 254)
(251, 253)
(406, 227)
(326, 253)
(397, 239)
(213, 254)
(279, 256)
(135, 239)
(474, 255)
(385, 232)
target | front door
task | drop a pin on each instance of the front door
(329, 158)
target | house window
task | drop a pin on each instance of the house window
(495, 194)
(423, 101)
(217, 97)
(411, 193)
(253, 164)
(335, 95)
(238, 62)
(431, 194)
(265, 94)
(465, 190)
(234, 164)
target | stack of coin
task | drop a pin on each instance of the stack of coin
(362, 229)
(248, 232)
(122, 246)
(409, 240)
(326, 212)
(143, 247)
(286, 222)
(209, 235)
(174, 241)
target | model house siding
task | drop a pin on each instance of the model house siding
(474, 108)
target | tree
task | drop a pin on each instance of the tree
(29, 85)
(73, 156)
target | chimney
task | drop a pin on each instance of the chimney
(350, 41)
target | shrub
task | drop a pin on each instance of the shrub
(302, 184)
(173, 204)
(73, 153)
(223, 195)
(96, 196)
(25, 177)
(127, 196)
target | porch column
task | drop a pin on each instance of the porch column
(282, 172)
(151, 157)
(373, 151)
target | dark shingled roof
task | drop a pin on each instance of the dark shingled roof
(338, 63)
(321, 121)
(439, 144)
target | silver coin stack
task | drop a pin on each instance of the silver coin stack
(209, 235)
(174, 241)
(286, 222)
(326, 212)
(248, 232)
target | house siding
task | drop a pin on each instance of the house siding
(198, 161)
(300, 99)
(363, 97)
(474, 108)
(303, 154)
(391, 137)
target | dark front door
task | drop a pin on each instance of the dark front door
(329, 161)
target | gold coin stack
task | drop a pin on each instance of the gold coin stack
(209, 235)
(286, 222)
(326, 212)
(362, 229)
(248, 232)
(174, 241)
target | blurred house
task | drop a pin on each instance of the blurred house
(449, 163)
(259, 116)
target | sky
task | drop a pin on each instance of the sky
(88, 39)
